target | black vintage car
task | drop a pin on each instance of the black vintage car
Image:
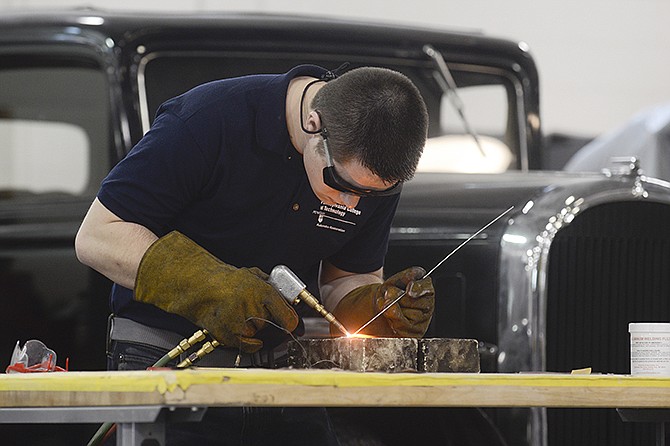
(551, 286)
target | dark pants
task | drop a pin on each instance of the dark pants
(245, 426)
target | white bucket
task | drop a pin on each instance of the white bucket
(649, 348)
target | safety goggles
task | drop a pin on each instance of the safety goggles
(34, 356)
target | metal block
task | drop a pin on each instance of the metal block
(448, 355)
(356, 354)
(386, 354)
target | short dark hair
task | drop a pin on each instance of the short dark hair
(376, 116)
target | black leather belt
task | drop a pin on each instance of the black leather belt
(127, 330)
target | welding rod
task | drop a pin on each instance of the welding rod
(294, 290)
(383, 310)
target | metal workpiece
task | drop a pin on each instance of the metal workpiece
(355, 354)
(391, 355)
(448, 355)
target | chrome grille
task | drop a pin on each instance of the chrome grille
(609, 267)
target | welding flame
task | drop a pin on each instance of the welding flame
(359, 335)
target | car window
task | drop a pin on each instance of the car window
(489, 139)
(54, 131)
(42, 156)
(472, 133)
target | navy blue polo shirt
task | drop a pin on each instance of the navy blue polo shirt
(218, 166)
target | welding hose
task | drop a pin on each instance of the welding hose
(107, 428)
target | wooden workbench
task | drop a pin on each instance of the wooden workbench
(260, 387)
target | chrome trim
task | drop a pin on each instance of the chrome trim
(430, 234)
(142, 90)
(521, 119)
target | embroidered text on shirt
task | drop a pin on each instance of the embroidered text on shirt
(325, 220)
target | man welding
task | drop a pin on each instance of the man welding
(239, 175)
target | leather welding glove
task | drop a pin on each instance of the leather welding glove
(179, 276)
(407, 318)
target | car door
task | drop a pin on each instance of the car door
(55, 141)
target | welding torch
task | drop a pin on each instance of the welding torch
(294, 291)
(284, 281)
(291, 288)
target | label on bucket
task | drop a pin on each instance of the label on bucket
(650, 349)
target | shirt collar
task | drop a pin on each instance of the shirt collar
(271, 133)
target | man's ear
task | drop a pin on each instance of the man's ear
(313, 121)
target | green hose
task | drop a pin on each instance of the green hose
(106, 428)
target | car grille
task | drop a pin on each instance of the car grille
(609, 267)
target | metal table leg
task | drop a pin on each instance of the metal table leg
(137, 433)
(136, 425)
